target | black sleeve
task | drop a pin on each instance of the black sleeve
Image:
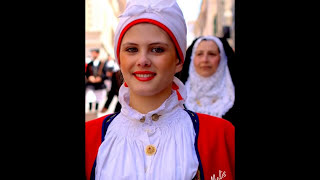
(88, 70)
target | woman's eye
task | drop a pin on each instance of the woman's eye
(157, 50)
(131, 50)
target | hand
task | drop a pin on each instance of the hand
(91, 79)
(109, 74)
(98, 79)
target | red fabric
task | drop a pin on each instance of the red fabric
(176, 88)
(93, 133)
(216, 145)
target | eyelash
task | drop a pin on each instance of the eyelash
(154, 50)
(157, 50)
(131, 50)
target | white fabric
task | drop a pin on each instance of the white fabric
(215, 93)
(96, 62)
(166, 12)
(122, 154)
(113, 64)
(93, 95)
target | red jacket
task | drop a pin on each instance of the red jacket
(216, 146)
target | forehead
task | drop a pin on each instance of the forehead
(207, 45)
(143, 32)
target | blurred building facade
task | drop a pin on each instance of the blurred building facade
(101, 22)
(214, 17)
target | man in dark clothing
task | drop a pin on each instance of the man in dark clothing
(95, 74)
(114, 91)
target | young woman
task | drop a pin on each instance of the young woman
(154, 137)
(208, 80)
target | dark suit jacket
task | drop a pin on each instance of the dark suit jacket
(100, 70)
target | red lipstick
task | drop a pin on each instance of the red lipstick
(144, 75)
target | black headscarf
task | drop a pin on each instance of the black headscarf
(184, 73)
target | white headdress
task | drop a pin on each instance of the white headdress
(212, 95)
(164, 13)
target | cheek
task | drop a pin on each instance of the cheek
(167, 62)
(125, 61)
(216, 61)
(124, 66)
(196, 62)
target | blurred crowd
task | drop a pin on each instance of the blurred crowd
(102, 82)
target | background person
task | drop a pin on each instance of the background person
(207, 78)
(95, 75)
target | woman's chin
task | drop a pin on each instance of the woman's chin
(148, 91)
(143, 91)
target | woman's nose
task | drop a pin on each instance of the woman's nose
(205, 58)
(143, 60)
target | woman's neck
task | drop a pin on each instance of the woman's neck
(145, 104)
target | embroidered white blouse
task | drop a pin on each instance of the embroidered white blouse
(123, 154)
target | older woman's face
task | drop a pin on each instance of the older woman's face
(206, 58)
(148, 60)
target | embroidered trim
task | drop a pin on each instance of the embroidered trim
(195, 122)
(222, 174)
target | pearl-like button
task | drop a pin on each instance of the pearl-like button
(155, 117)
(150, 150)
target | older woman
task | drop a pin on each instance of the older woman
(207, 78)
(154, 137)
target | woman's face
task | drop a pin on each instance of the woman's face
(206, 58)
(148, 60)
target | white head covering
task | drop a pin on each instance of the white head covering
(212, 95)
(164, 13)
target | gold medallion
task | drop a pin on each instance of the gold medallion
(150, 150)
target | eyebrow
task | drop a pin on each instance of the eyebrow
(162, 43)
(153, 43)
(128, 43)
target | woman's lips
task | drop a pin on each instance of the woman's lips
(205, 67)
(144, 75)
